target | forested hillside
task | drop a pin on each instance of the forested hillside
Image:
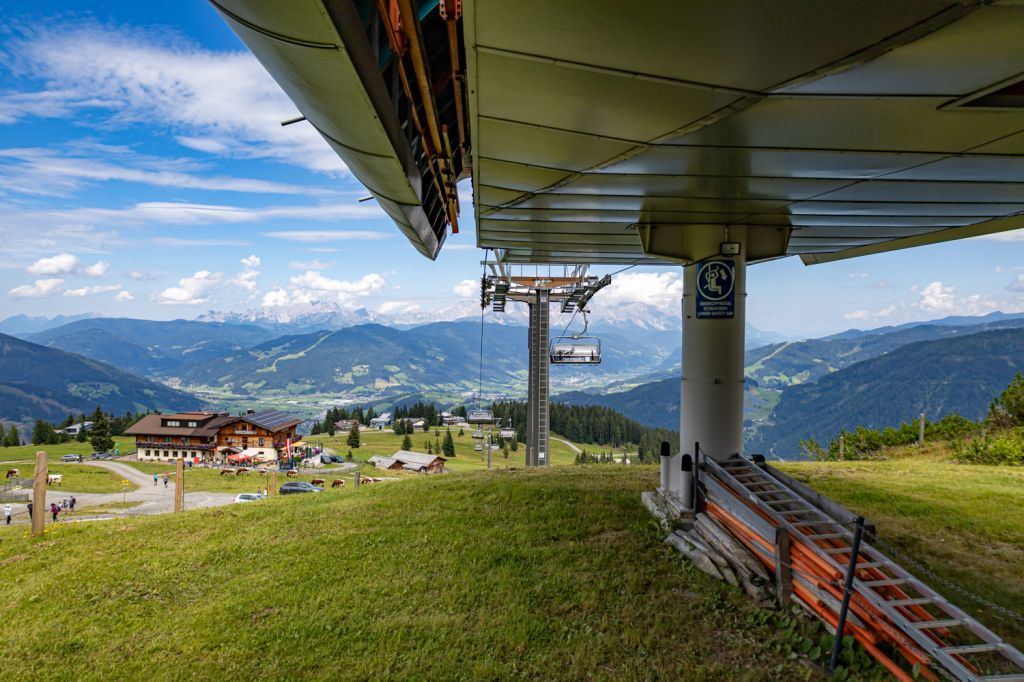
(935, 377)
(801, 362)
(45, 383)
(151, 348)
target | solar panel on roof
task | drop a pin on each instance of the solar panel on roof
(270, 419)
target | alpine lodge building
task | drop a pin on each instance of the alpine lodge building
(215, 437)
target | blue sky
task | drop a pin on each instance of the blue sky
(144, 173)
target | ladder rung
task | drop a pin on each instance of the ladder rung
(884, 582)
(836, 550)
(972, 649)
(803, 524)
(910, 602)
(930, 624)
(872, 564)
(791, 500)
(826, 536)
(1012, 677)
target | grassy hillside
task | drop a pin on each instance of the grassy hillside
(466, 459)
(555, 574)
(962, 522)
(27, 453)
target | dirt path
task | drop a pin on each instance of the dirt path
(571, 446)
(153, 499)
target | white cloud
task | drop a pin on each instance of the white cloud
(1010, 236)
(92, 291)
(315, 264)
(54, 265)
(660, 289)
(178, 242)
(1017, 284)
(327, 235)
(859, 275)
(221, 102)
(192, 290)
(858, 315)
(314, 287)
(391, 307)
(97, 269)
(246, 279)
(41, 288)
(275, 298)
(467, 288)
(938, 298)
(141, 275)
(315, 281)
(124, 296)
(38, 171)
(184, 213)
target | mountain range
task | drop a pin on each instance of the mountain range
(855, 378)
(790, 383)
(150, 347)
(46, 383)
(938, 377)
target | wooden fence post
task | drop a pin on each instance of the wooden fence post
(39, 493)
(273, 483)
(842, 447)
(783, 570)
(179, 485)
(920, 431)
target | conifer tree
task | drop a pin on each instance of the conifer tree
(353, 436)
(99, 434)
(407, 443)
(448, 448)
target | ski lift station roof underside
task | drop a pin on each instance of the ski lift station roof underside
(599, 131)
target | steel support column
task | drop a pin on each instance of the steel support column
(711, 410)
(537, 417)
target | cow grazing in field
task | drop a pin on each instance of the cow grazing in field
(225, 472)
(11, 473)
(338, 483)
(317, 481)
(241, 471)
(55, 479)
(292, 473)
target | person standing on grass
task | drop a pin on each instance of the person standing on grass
(155, 479)
(167, 479)
(7, 513)
(30, 512)
(54, 509)
(72, 503)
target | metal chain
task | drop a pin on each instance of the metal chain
(946, 582)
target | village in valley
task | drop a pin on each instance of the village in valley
(138, 461)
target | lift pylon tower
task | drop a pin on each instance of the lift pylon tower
(572, 289)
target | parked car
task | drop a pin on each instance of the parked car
(292, 487)
(73, 457)
(249, 497)
(327, 459)
(101, 455)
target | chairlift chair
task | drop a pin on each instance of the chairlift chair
(480, 417)
(578, 349)
(479, 433)
(507, 433)
(478, 447)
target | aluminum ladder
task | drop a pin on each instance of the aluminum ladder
(879, 580)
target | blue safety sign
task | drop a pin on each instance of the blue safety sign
(716, 290)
